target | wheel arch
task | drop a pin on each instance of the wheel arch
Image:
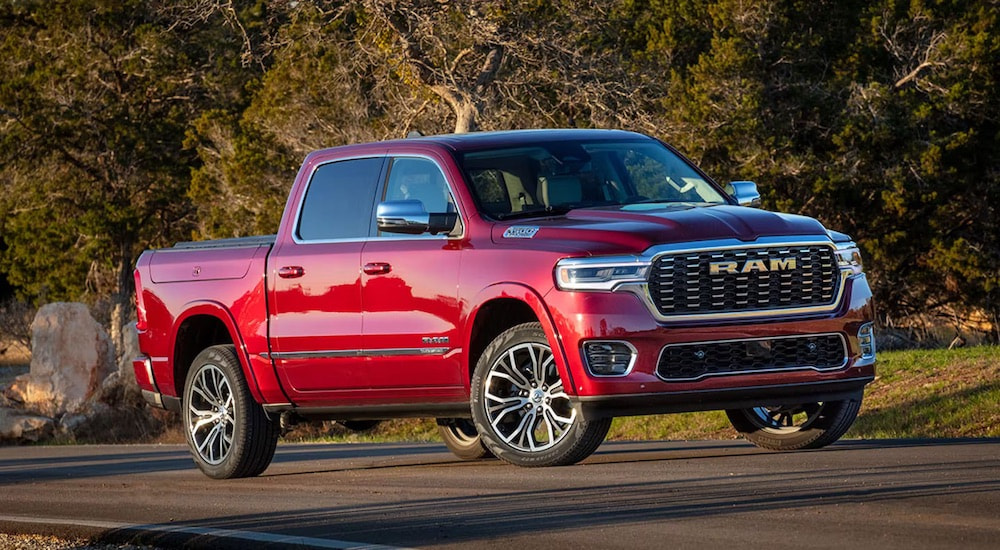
(502, 306)
(202, 325)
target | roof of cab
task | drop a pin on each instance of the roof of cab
(485, 140)
(475, 141)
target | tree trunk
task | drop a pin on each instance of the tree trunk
(465, 117)
(122, 310)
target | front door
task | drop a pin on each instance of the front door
(410, 293)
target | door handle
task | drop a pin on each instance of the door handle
(377, 268)
(291, 272)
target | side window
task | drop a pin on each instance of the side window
(422, 180)
(339, 201)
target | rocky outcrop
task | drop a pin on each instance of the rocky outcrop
(71, 356)
(74, 389)
(22, 427)
(118, 412)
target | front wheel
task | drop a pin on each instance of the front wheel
(794, 427)
(228, 432)
(520, 406)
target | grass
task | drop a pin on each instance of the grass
(917, 394)
(933, 393)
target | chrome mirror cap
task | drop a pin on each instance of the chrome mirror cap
(407, 216)
(745, 193)
(410, 217)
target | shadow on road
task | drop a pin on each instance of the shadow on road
(118, 460)
(595, 499)
(509, 514)
(25, 470)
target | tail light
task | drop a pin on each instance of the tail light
(140, 306)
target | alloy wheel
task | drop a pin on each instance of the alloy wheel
(211, 414)
(525, 401)
(786, 418)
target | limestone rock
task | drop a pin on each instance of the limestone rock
(71, 355)
(19, 427)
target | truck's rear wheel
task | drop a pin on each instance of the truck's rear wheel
(462, 438)
(228, 432)
(794, 427)
(520, 408)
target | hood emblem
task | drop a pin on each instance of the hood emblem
(520, 232)
(775, 264)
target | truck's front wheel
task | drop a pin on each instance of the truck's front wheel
(794, 427)
(520, 407)
(228, 432)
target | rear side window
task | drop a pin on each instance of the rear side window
(339, 201)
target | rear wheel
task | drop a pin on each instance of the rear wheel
(794, 427)
(462, 438)
(227, 431)
(520, 407)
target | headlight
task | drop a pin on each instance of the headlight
(599, 273)
(849, 257)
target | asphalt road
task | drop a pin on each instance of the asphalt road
(855, 494)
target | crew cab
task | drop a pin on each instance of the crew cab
(524, 288)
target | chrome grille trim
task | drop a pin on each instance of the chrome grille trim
(681, 284)
(654, 254)
(793, 367)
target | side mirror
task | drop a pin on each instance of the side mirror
(409, 217)
(745, 193)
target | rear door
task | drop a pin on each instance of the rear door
(315, 302)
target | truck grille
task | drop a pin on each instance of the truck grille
(693, 361)
(739, 280)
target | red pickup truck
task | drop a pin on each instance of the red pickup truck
(523, 288)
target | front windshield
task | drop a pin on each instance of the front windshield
(556, 177)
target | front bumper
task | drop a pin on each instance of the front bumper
(622, 317)
(595, 407)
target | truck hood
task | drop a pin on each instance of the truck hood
(635, 227)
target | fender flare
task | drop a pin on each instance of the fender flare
(220, 312)
(533, 299)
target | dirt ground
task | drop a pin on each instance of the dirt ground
(43, 542)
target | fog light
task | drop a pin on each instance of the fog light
(609, 358)
(866, 340)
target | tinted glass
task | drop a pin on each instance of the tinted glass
(340, 199)
(560, 176)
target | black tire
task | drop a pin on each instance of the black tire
(228, 432)
(514, 379)
(359, 425)
(794, 427)
(462, 438)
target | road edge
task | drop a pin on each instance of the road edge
(171, 536)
